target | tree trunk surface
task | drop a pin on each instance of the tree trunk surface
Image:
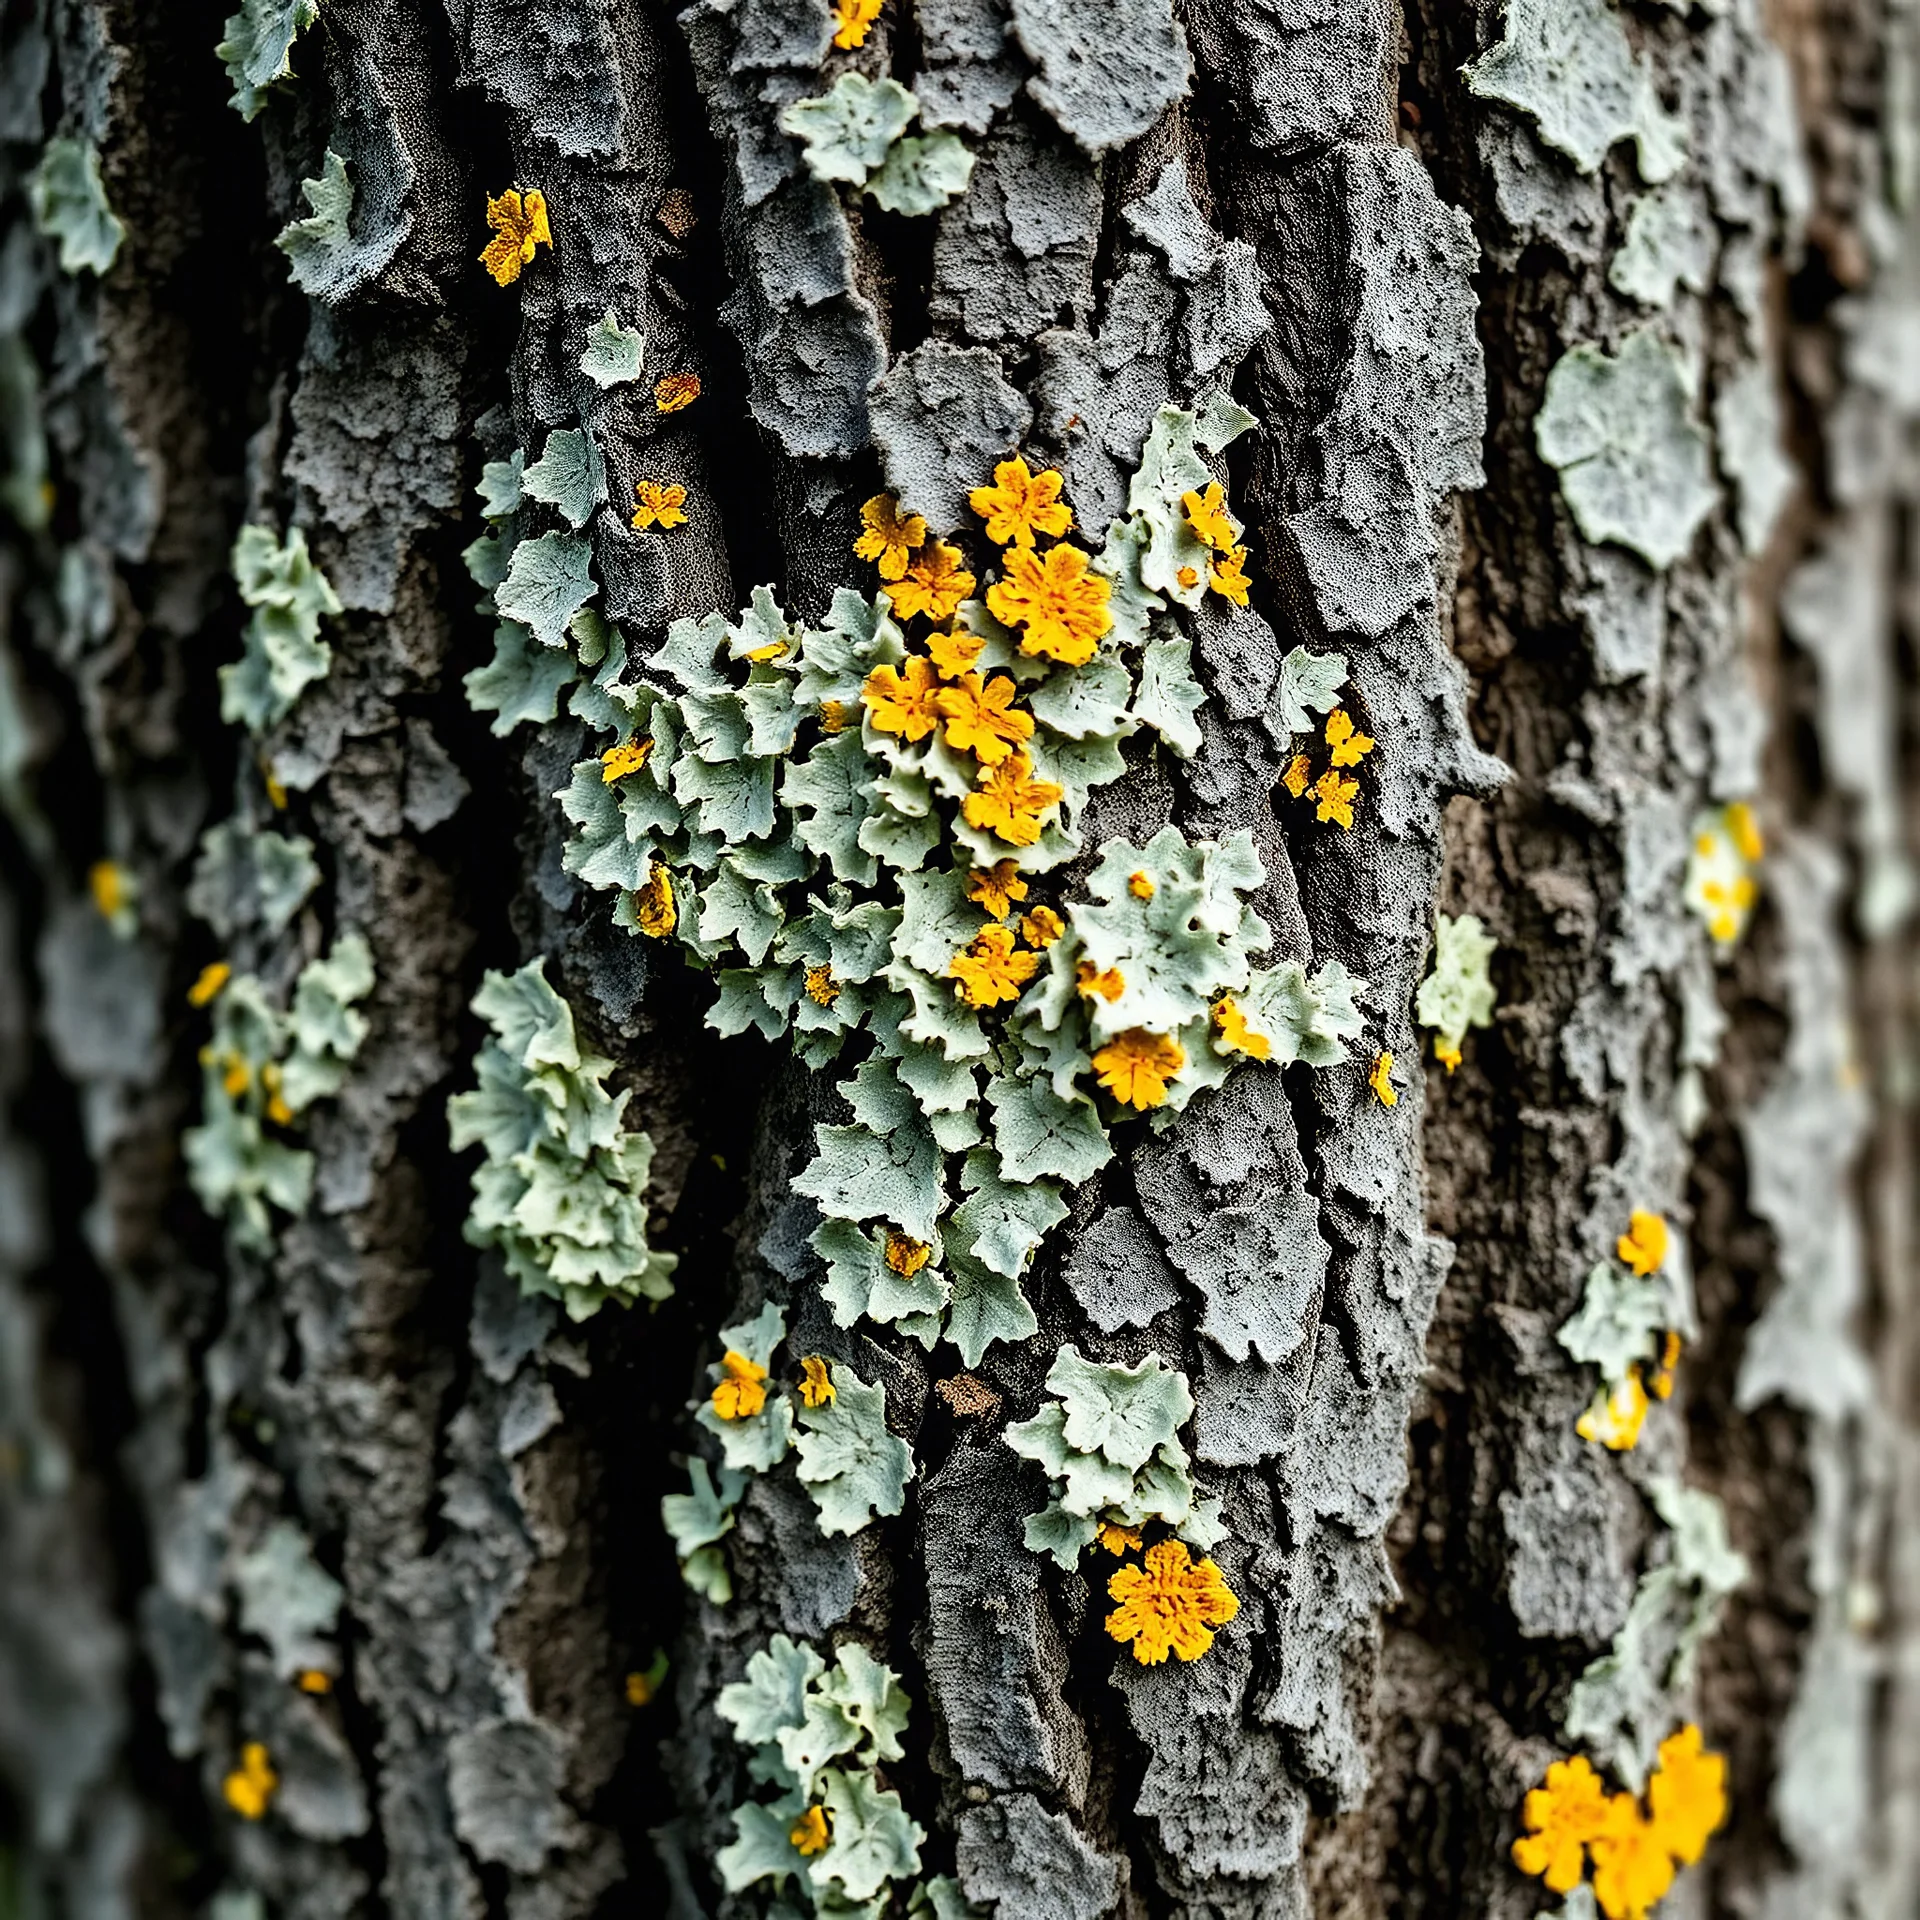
(1581, 344)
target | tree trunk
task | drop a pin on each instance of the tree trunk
(336, 1419)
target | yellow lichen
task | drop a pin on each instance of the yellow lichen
(1141, 886)
(854, 21)
(1644, 1244)
(1230, 1023)
(1059, 603)
(904, 700)
(1042, 927)
(1632, 1869)
(1021, 505)
(1350, 746)
(1661, 1385)
(252, 1784)
(1118, 1539)
(1687, 1795)
(741, 1390)
(1228, 577)
(994, 889)
(519, 223)
(673, 391)
(1381, 1081)
(1445, 1052)
(1563, 1818)
(277, 1109)
(315, 1680)
(1298, 776)
(981, 718)
(1207, 515)
(1336, 797)
(1169, 1604)
(1109, 985)
(816, 1383)
(811, 1832)
(654, 910)
(628, 757)
(890, 536)
(822, 988)
(934, 584)
(1615, 1417)
(660, 505)
(111, 886)
(1136, 1065)
(905, 1255)
(955, 653)
(1011, 804)
(833, 716)
(206, 988)
(990, 968)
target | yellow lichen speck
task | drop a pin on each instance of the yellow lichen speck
(741, 1390)
(816, 1383)
(1118, 1539)
(1688, 1795)
(1207, 515)
(1061, 604)
(654, 910)
(810, 1833)
(673, 391)
(1228, 577)
(934, 584)
(822, 988)
(1644, 1244)
(1230, 1023)
(1350, 746)
(890, 536)
(1381, 1081)
(107, 881)
(519, 223)
(990, 968)
(213, 976)
(314, 1680)
(1141, 886)
(1170, 1604)
(1042, 927)
(1336, 797)
(833, 716)
(1011, 804)
(1563, 1818)
(1632, 1869)
(1298, 776)
(252, 1784)
(981, 718)
(628, 757)
(905, 1255)
(1021, 505)
(1136, 1065)
(994, 889)
(904, 700)
(854, 21)
(1448, 1056)
(660, 505)
(1616, 1416)
(1661, 1385)
(955, 654)
(1109, 985)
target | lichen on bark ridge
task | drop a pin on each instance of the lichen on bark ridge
(333, 1569)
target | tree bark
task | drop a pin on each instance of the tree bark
(1584, 401)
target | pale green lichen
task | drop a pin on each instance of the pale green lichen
(69, 202)
(1569, 66)
(1635, 466)
(815, 1734)
(1627, 1701)
(260, 1070)
(698, 1520)
(562, 1189)
(1458, 991)
(856, 134)
(569, 476)
(314, 245)
(258, 48)
(284, 652)
(1109, 1441)
(615, 355)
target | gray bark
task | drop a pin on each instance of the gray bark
(362, 1452)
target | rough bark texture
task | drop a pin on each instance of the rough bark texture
(361, 1453)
